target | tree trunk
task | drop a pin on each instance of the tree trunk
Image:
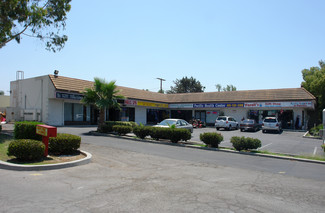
(101, 121)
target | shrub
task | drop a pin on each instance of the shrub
(160, 133)
(64, 144)
(26, 130)
(141, 131)
(26, 149)
(212, 139)
(122, 130)
(108, 126)
(179, 134)
(315, 130)
(242, 143)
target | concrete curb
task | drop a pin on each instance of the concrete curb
(18, 167)
(304, 136)
(191, 145)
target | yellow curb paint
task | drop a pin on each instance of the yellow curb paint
(36, 174)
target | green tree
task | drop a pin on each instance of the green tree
(103, 95)
(314, 82)
(186, 85)
(229, 88)
(218, 86)
(2, 92)
(43, 20)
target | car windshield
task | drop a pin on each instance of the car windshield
(221, 118)
(167, 122)
(270, 120)
(248, 121)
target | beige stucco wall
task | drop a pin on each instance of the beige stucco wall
(4, 101)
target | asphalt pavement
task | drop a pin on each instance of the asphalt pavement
(133, 176)
(288, 142)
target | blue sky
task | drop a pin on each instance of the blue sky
(251, 44)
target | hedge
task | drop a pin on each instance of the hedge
(242, 143)
(26, 130)
(142, 131)
(160, 133)
(121, 129)
(179, 134)
(26, 149)
(64, 144)
(211, 139)
(172, 134)
(108, 126)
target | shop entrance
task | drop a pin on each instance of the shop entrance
(200, 115)
(286, 119)
(284, 116)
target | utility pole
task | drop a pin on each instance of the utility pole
(161, 80)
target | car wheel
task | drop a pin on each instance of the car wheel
(263, 131)
(241, 130)
(217, 128)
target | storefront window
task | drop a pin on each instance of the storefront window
(155, 116)
(125, 114)
(88, 113)
(211, 117)
(78, 112)
(67, 111)
(182, 114)
(74, 112)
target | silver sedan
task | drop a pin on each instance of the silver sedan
(179, 123)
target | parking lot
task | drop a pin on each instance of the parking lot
(286, 142)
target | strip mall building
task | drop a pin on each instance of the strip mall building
(55, 100)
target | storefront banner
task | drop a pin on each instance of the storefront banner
(151, 104)
(307, 104)
(219, 105)
(304, 104)
(68, 96)
(180, 106)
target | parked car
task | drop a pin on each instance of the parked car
(226, 122)
(179, 123)
(271, 124)
(249, 124)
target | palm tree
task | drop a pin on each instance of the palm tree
(103, 95)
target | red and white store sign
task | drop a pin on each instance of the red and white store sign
(303, 104)
(130, 102)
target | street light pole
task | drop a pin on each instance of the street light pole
(161, 80)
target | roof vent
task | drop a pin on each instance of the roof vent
(56, 73)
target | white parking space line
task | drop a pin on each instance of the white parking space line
(264, 146)
(315, 150)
